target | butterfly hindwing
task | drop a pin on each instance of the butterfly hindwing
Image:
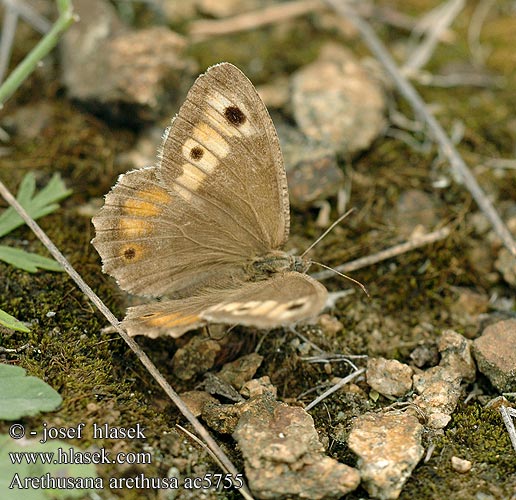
(148, 240)
(282, 299)
(279, 300)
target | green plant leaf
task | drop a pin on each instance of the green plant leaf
(37, 205)
(12, 323)
(17, 472)
(27, 261)
(23, 395)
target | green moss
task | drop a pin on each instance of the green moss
(476, 434)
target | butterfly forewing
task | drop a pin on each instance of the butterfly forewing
(222, 157)
(217, 199)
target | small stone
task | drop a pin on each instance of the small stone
(257, 387)
(506, 264)
(481, 259)
(276, 93)
(438, 420)
(479, 222)
(179, 12)
(240, 371)
(389, 447)
(469, 305)
(313, 173)
(415, 209)
(128, 75)
(28, 122)
(222, 418)
(216, 385)
(439, 392)
(335, 101)
(195, 400)
(284, 456)
(228, 8)
(388, 376)
(495, 354)
(197, 356)
(330, 324)
(460, 465)
(497, 402)
(456, 355)
(439, 387)
(425, 354)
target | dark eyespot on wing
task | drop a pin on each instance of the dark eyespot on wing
(196, 153)
(129, 253)
(295, 306)
(235, 116)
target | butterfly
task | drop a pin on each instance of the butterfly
(204, 228)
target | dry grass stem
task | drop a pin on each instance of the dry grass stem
(275, 14)
(457, 164)
(334, 388)
(441, 19)
(393, 251)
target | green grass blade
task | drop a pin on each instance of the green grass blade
(37, 205)
(30, 262)
(45, 45)
(11, 322)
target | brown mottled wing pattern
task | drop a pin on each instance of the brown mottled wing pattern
(217, 198)
(283, 299)
(222, 156)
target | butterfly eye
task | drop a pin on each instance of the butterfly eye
(234, 115)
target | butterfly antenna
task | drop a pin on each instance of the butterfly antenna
(338, 221)
(364, 289)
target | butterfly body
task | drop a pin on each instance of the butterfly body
(277, 262)
(205, 227)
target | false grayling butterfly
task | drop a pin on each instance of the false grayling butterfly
(204, 228)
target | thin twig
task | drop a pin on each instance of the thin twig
(421, 55)
(6, 39)
(203, 445)
(144, 359)
(274, 14)
(429, 453)
(478, 79)
(437, 132)
(334, 388)
(507, 414)
(504, 163)
(200, 30)
(29, 14)
(393, 251)
(16, 350)
(331, 358)
(478, 53)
